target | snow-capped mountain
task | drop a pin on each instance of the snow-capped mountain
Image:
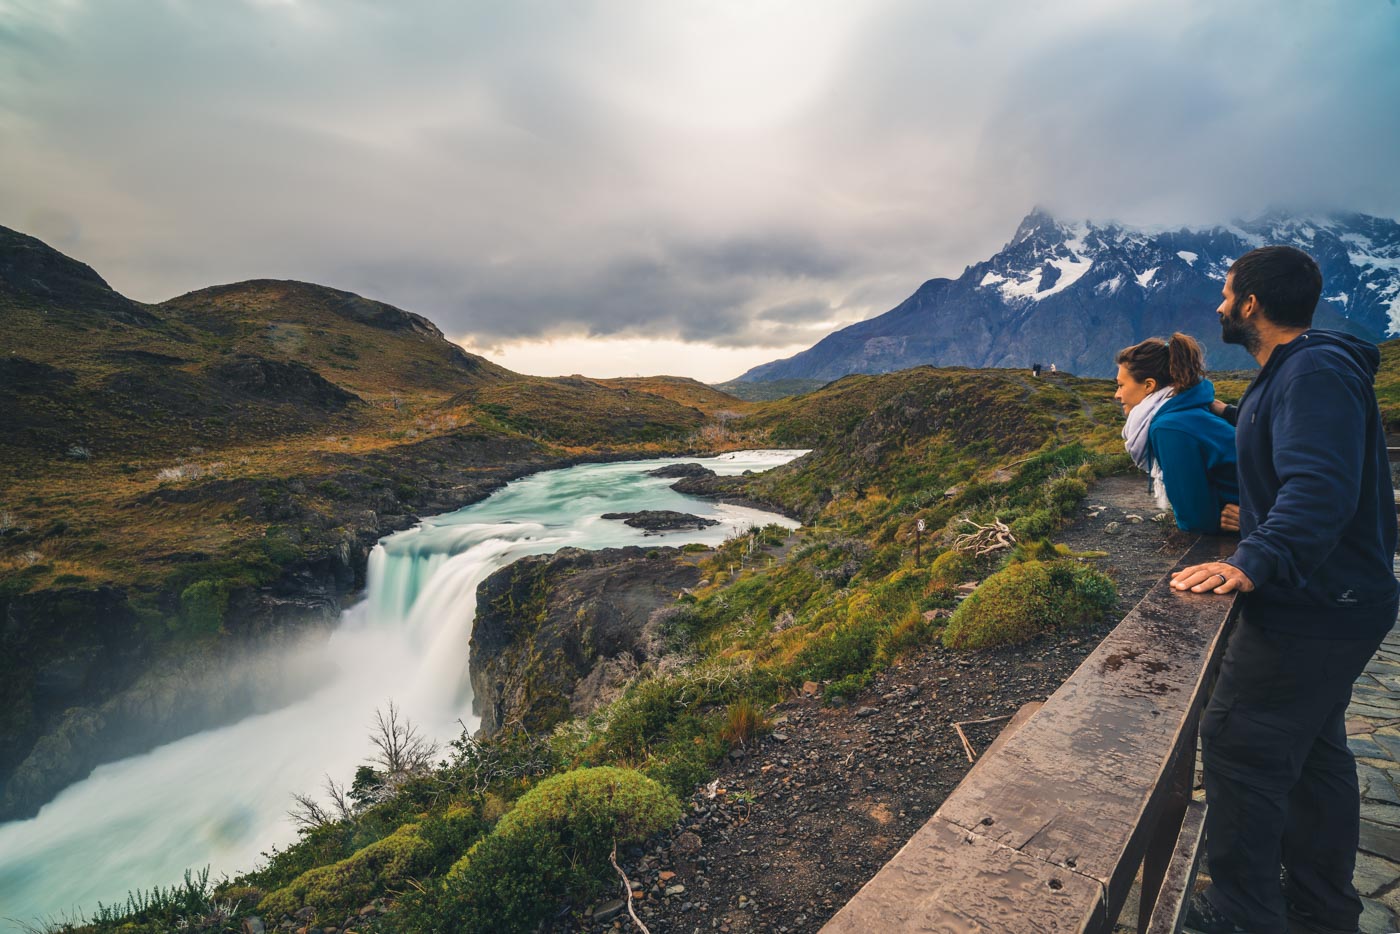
(1073, 294)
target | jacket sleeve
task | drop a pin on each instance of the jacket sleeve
(1188, 487)
(1319, 436)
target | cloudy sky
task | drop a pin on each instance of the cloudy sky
(694, 188)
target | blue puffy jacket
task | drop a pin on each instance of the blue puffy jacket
(1317, 511)
(1196, 450)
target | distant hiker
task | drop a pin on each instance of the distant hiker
(1187, 452)
(1035, 369)
(1052, 368)
(1318, 531)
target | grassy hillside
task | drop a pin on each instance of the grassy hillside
(104, 404)
(185, 455)
(682, 391)
(832, 604)
(773, 389)
(175, 477)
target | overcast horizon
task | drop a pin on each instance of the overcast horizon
(617, 188)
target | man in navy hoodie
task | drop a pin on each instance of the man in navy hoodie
(1314, 562)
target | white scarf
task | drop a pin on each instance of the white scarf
(1135, 439)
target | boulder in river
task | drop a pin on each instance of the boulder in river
(676, 471)
(661, 520)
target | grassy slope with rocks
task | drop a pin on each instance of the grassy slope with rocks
(175, 478)
(834, 605)
(830, 608)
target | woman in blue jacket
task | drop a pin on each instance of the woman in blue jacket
(1188, 451)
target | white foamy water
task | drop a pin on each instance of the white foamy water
(220, 798)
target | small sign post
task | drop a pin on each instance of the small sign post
(918, 541)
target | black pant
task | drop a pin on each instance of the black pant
(1280, 780)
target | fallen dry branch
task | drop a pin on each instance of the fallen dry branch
(627, 887)
(967, 746)
(987, 538)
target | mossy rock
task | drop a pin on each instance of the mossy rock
(554, 844)
(1024, 600)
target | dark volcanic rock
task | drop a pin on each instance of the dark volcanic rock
(676, 471)
(661, 520)
(557, 634)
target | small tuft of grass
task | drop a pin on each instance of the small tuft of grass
(742, 722)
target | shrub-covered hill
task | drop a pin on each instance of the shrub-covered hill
(179, 475)
(682, 390)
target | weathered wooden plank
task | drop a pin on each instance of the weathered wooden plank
(1080, 787)
(1018, 720)
(1073, 785)
(1175, 893)
(949, 881)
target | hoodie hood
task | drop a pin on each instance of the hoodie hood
(1363, 354)
(1199, 395)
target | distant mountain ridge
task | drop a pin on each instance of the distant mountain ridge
(1074, 293)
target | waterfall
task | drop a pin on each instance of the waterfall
(220, 797)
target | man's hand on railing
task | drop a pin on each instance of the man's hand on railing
(1215, 576)
(1230, 518)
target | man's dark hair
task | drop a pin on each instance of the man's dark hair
(1285, 281)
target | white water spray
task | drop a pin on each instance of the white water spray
(220, 798)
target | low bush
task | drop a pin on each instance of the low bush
(950, 569)
(553, 845)
(411, 851)
(1026, 599)
(202, 607)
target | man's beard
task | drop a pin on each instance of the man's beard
(1235, 330)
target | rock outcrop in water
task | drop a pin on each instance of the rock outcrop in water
(556, 635)
(661, 520)
(676, 471)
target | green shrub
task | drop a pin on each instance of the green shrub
(412, 850)
(849, 648)
(1066, 492)
(332, 490)
(1037, 524)
(1026, 599)
(950, 569)
(147, 912)
(202, 606)
(554, 844)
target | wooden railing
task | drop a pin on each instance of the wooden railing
(1048, 831)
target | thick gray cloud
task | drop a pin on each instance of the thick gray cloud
(741, 174)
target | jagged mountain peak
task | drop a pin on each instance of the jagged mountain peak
(1073, 291)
